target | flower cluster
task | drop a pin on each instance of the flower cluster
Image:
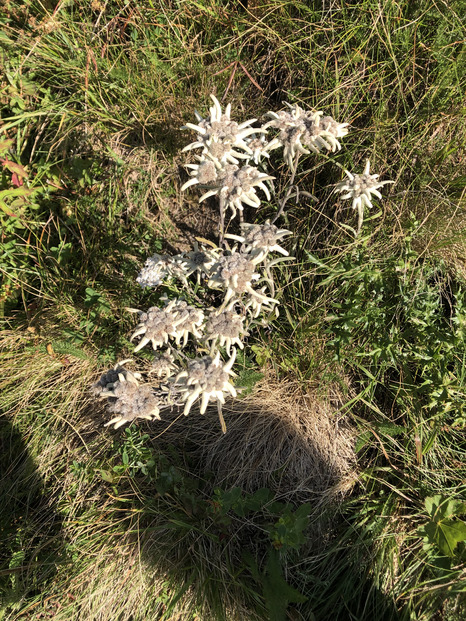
(176, 319)
(232, 184)
(235, 278)
(127, 398)
(219, 136)
(224, 143)
(206, 378)
(232, 275)
(226, 329)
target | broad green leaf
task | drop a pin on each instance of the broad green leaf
(445, 529)
(446, 534)
(107, 476)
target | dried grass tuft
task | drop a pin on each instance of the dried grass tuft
(298, 445)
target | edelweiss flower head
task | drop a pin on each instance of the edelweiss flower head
(235, 273)
(163, 365)
(259, 147)
(359, 188)
(300, 129)
(191, 319)
(219, 136)
(227, 328)
(235, 186)
(208, 377)
(157, 326)
(260, 239)
(130, 401)
(110, 378)
(126, 397)
(198, 260)
(155, 270)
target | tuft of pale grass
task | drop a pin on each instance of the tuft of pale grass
(295, 443)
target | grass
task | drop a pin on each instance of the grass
(358, 419)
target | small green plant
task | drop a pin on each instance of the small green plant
(400, 323)
(288, 533)
(276, 591)
(136, 456)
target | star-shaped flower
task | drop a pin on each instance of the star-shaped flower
(219, 136)
(157, 325)
(359, 188)
(234, 185)
(304, 128)
(126, 397)
(260, 239)
(206, 378)
(163, 365)
(226, 328)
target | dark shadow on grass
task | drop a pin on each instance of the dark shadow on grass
(189, 533)
(31, 541)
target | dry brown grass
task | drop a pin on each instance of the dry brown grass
(297, 444)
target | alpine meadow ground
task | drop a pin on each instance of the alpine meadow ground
(338, 490)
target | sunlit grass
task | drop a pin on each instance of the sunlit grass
(92, 95)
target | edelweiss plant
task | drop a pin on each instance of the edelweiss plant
(236, 280)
